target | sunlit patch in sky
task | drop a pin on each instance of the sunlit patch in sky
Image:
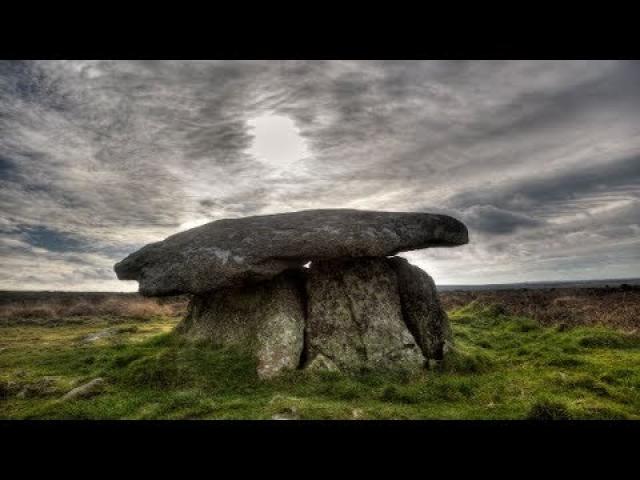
(193, 223)
(277, 140)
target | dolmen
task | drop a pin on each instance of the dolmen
(314, 289)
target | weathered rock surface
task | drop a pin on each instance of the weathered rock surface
(354, 309)
(355, 314)
(266, 318)
(285, 416)
(320, 363)
(354, 317)
(236, 252)
(89, 389)
(101, 335)
(421, 309)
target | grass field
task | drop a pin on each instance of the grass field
(503, 367)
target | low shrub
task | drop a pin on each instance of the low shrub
(609, 339)
(546, 409)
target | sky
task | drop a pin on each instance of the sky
(540, 159)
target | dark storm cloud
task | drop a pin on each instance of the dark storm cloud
(555, 192)
(492, 220)
(51, 240)
(25, 82)
(541, 159)
(7, 167)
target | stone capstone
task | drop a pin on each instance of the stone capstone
(237, 252)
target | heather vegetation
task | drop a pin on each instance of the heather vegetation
(55, 308)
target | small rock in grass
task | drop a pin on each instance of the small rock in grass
(85, 391)
(289, 413)
(93, 337)
(279, 416)
(322, 363)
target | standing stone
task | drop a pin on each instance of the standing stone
(421, 309)
(266, 318)
(354, 316)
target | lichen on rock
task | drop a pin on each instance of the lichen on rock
(267, 319)
(355, 316)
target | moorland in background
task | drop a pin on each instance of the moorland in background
(543, 353)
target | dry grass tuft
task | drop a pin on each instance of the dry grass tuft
(44, 307)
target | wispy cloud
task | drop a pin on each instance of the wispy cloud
(540, 158)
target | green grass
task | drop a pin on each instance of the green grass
(502, 367)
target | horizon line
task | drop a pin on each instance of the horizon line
(619, 280)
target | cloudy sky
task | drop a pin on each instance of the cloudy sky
(541, 159)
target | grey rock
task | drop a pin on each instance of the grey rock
(86, 390)
(285, 416)
(236, 252)
(286, 411)
(102, 334)
(345, 314)
(265, 318)
(354, 316)
(421, 309)
(321, 363)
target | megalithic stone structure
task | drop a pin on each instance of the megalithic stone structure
(356, 307)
